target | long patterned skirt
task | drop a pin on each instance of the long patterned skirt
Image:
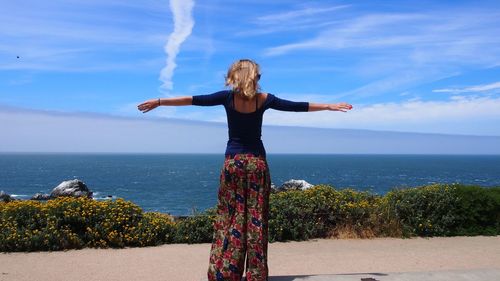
(241, 224)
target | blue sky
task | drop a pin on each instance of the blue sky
(413, 66)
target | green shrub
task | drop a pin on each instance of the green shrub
(318, 212)
(197, 228)
(477, 211)
(446, 210)
(153, 229)
(291, 216)
(322, 211)
(73, 223)
(425, 210)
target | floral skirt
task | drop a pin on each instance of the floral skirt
(241, 224)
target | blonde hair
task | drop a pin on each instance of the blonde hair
(243, 76)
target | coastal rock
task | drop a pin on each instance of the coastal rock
(40, 196)
(294, 185)
(75, 188)
(5, 197)
(179, 218)
(273, 188)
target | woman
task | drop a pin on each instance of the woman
(240, 228)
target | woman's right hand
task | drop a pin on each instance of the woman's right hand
(148, 105)
(339, 106)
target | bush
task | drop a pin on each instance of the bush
(197, 228)
(446, 210)
(477, 211)
(322, 211)
(425, 210)
(318, 212)
(73, 223)
(290, 216)
(153, 229)
(347, 213)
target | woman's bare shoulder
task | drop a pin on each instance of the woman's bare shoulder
(264, 95)
(261, 99)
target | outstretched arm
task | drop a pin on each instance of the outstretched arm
(201, 100)
(154, 103)
(330, 106)
(288, 105)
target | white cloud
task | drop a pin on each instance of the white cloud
(360, 32)
(183, 25)
(397, 80)
(48, 131)
(304, 17)
(75, 65)
(476, 115)
(477, 88)
(296, 14)
(65, 36)
(460, 115)
(397, 51)
(418, 39)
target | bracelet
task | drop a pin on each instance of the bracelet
(159, 102)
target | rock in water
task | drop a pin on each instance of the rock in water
(273, 188)
(5, 197)
(40, 196)
(75, 188)
(295, 185)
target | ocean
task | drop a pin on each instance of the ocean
(180, 183)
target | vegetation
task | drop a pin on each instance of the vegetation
(318, 212)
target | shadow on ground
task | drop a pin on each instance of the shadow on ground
(479, 274)
(319, 277)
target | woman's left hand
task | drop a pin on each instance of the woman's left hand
(148, 105)
(339, 106)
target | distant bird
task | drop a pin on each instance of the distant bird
(17, 56)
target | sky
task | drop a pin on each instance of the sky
(405, 66)
(65, 132)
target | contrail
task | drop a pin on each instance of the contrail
(183, 25)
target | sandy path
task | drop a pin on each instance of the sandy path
(318, 256)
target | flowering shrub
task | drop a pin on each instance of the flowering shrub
(425, 210)
(477, 211)
(197, 228)
(318, 212)
(446, 210)
(73, 223)
(322, 211)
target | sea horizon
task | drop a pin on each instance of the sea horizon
(177, 183)
(215, 153)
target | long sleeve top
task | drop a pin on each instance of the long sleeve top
(245, 129)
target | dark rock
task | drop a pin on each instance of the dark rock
(179, 218)
(5, 197)
(273, 188)
(294, 185)
(40, 196)
(74, 188)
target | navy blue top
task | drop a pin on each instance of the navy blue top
(244, 129)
